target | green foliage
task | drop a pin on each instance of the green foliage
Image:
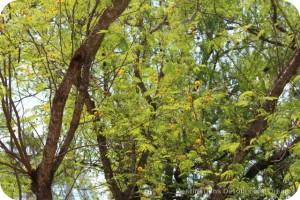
(147, 102)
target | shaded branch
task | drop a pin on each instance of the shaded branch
(275, 16)
(277, 158)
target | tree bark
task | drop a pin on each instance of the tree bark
(79, 66)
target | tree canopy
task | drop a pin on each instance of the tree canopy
(162, 99)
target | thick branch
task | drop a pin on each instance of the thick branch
(91, 46)
(82, 57)
(277, 157)
(108, 172)
(45, 168)
(258, 126)
(80, 99)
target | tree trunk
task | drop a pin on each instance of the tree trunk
(41, 187)
(77, 74)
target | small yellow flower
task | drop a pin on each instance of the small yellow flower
(121, 72)
(298, 123)
(140, 169)
(190, 98)
(53, 56)
(198, 83)
(46, 106)
(198, 141)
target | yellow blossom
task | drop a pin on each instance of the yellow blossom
(190, 98)
(140, 169)
(121, 72)
(198, 83)
(197, 141)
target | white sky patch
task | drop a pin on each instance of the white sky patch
(3, 196)
(295, 3)
(3, 3)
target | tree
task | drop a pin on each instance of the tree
(181, 98)
(76, 74)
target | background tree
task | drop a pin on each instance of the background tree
(180, 98)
